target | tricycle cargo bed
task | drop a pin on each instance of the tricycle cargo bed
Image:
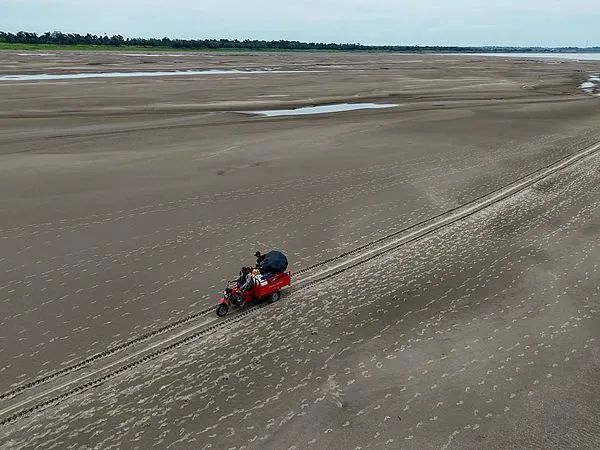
(275, 283)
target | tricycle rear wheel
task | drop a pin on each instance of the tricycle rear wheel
(275, 296)
(222, 310)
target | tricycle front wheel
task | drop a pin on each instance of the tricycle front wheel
(222, 310)
(275, 296)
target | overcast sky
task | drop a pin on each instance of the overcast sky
(404, 22)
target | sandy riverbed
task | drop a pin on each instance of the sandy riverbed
(125, 203)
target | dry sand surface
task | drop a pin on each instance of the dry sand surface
(126, 203)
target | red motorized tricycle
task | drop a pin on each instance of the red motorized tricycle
(268, 289)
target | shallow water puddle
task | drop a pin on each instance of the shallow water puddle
(35, 54)
(322, 109)
(592, 86)
(72, 76)
(155, 54)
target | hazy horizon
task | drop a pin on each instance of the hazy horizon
(535, 23)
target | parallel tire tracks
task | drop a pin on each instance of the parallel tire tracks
(321, 271)
(15, 411)
(108, 352)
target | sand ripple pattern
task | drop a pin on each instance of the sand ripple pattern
(477, 328)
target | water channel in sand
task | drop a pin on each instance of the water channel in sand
(73, 76)
(322, 109)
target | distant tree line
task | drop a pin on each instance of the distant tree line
(60, 38)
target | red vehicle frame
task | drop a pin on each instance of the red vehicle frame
(269, 289)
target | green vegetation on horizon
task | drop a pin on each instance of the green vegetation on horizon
(4, 46)
(73, 41)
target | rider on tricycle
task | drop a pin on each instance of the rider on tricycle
(263, 282)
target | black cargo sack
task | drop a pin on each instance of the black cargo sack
(274, 262)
